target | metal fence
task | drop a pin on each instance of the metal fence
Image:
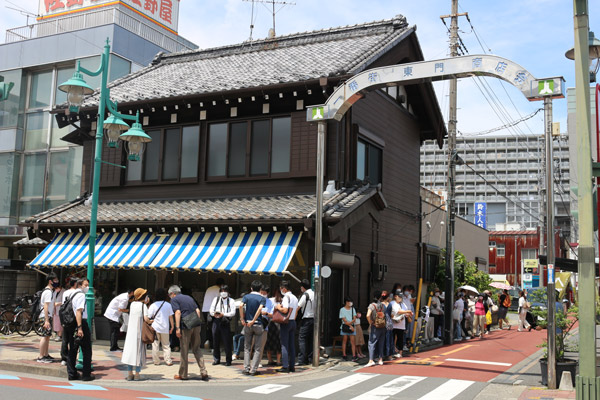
(92, 19)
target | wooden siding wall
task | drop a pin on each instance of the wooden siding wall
(301, 177)
(398, 233)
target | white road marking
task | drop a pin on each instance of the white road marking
(391, 388)
(267, 389)
(479, 362)
(448, 390)
(335, 386)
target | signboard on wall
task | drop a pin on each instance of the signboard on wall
(481, 214)
(164, 13)
(530, 266)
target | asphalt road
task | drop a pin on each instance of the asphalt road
(335, 385)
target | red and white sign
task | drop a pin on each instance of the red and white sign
(163, 12)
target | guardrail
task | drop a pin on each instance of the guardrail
(92, 19)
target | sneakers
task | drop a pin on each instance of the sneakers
(355, 359)
(398, 355)
(380, 362)
(43, 360)
(204, 378)
(508, 329)
(234, 357)
(63, 363)
(405, 348)
(467, 337)
(88, 378)
(370, 364)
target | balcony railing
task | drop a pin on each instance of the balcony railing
(97, 18)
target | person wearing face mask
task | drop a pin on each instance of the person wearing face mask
(222, 310)
(134, 350)
(347, 329)
(408, 299)
(287, 332)
(438, 314)
(47, 299)
(523, 308)
(479, 317)
(83, 334)
(116, 307)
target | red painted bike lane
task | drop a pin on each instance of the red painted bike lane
(476, 359)
(85, 389)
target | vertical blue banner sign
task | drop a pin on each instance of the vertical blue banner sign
(481, 215)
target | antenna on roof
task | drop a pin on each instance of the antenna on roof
(21, 11)
(272, 10)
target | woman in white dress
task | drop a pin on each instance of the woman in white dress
(134, 350)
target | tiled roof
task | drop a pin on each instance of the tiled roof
(264, 209)
(285, 59)
(35, 242)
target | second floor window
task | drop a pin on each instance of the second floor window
(500, 250)
(368, 162)
(249, 148)
(171, 156)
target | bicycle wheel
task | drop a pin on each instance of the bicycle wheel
(5, 323)
(38, 326)
(24, 323)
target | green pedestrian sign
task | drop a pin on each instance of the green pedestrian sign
(546, 87)
(318, 113)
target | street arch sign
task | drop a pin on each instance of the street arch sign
(435, 70)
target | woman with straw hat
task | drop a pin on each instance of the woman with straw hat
(134, 350)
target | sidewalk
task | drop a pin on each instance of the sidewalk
(19, 354)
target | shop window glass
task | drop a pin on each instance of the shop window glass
(41, 89)
(361, 160)
(190, 145)
(9, 178)
(171, 154)
(34, 170)
(30, 207)
(36, 133)
(217, 149)
(57, 133)
(9, 108)
(64, 179)
(282, 132)
(368, 162)
(259, 162)
(237, 149)
(151, 157)
(62, 75)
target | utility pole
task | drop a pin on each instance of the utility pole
(450, 211)
(550, 244)
(587, 387)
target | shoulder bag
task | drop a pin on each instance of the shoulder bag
(347, 328)
(148, 332)
(280, 317)
(191, 321)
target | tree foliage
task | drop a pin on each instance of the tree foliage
(465, 273)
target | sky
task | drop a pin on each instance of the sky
(532, 33)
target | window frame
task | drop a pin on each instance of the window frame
(500, 248)
(368, 143)
(160, 180)
(248, 158)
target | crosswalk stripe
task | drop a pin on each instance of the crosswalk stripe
(391, 388)
(335, 386)
(267, 389)
(448, 390)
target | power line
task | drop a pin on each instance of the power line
(510, 124)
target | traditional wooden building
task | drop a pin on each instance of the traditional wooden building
(227, 185)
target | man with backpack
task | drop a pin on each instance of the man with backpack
(45, 309)
(77, 333)
(305, 336)
(376, 319)
(503, 305)
(64, 349)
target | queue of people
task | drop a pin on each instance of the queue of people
(267, 323)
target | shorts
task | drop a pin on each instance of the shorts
(46, 332)
(502, 312)
(347, 333)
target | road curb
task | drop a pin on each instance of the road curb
(34, 369)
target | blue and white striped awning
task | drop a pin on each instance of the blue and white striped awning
(251, 252)
(113, 250)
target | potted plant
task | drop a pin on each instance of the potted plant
(564, 324)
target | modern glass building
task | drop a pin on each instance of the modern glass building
(38, 169)
(506, 173)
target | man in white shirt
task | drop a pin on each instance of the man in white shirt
(161, 314)
(83, 338)
(287, 331)
(64, 348)
(116, 307)
(210, 294)
(46, 311)
(305, 336)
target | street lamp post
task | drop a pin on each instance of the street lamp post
(77, 88)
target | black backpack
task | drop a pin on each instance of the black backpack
(35, 305)
(66, 313)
